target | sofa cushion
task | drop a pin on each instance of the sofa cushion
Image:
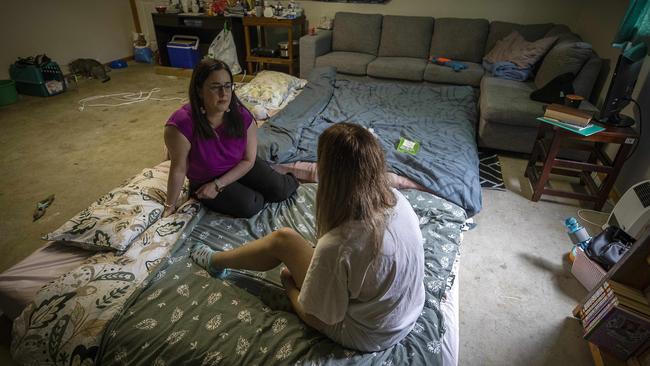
(530, 32)
(355, 32)
(405, 36)
(346, 62)
(508, 102)
(514, 48)
(563, 58)
(563, 34)
(583, 84)
(459, 39)
(405, 68)
(442, 74)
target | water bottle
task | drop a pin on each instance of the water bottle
(578, 234)
(259, 9)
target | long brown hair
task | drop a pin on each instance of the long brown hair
(232, 119)
(352, 181)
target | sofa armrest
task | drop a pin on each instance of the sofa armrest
(312, 47)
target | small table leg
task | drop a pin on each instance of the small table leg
(608, 182)
(541, 131)
(548, 166)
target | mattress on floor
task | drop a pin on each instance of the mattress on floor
(306, 172)
(19, 284)
(148, 310)
(440, 118)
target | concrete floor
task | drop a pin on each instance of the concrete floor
(516, 294)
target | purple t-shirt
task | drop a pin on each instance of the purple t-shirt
(210, 158)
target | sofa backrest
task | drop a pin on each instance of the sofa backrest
(459, 39)
(354, 32)
(403, 36)
(530, 32)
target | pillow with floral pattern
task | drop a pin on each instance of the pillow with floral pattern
(120, 216)
(269, 89)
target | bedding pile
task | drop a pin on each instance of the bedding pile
(154, 305)
(440, 118)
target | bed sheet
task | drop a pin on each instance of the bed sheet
(306, 172)
(183, 315)
(20, 283)
(441, 118)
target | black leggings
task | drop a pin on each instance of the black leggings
(246, 197)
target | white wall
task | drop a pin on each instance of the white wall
(518, 11)
(65, 30)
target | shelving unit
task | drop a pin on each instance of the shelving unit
(290, 24)
(632, 270)
(203, 26)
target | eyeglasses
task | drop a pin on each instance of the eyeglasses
(224, 88)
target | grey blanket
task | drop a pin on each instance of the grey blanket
(182, 316)
(440, 118)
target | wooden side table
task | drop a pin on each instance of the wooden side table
(262, 22)
(544, 161)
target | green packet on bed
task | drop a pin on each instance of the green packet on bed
(408, 146)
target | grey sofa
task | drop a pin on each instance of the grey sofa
(398, 47)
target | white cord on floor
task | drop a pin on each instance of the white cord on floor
(580, 211)
(125, 99)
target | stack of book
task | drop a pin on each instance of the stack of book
(617, 319)
(572, 119)
(572, 116)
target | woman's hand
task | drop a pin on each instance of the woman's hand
(169, 209)
(207, 191)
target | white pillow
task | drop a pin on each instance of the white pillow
(269, 89)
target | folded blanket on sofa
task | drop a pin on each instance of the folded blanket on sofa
(507, 70)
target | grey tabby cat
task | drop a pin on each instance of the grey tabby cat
(89, 68)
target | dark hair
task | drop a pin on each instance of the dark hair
(233, 120)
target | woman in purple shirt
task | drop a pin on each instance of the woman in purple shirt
(213, 141)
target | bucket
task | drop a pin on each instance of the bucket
(8, 93)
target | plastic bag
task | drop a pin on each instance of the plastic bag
(143, 54)
(223, 48)
(608, 247)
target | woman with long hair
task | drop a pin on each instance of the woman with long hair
(362, 284)
(213, 141)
